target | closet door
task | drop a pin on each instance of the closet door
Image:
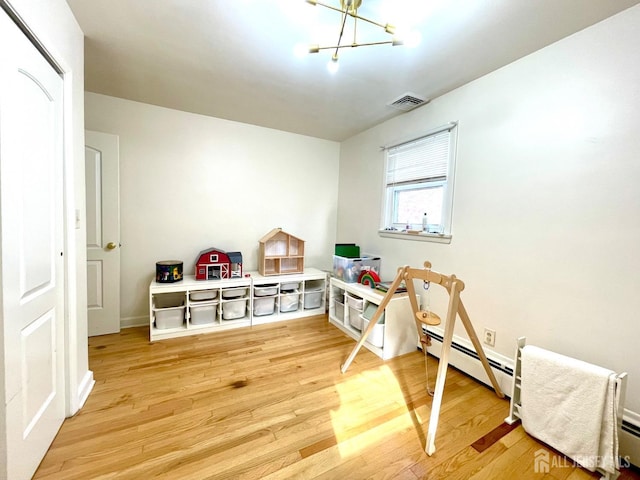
(31, 278)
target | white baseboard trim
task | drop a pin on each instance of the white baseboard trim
(85, 387)
(630, 437)
(464, 358)
(129, 322)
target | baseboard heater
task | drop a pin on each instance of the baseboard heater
(470, 353)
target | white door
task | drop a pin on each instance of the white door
(103, 232)
(32, 278)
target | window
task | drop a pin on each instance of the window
(419, 180)
(213, 258)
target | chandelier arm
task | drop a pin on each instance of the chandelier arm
(344, 21)
(329, 7)
(354, 15)
(353, 45)
(350, 8)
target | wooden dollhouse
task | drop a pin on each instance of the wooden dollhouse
(280, 253)
(214, 264)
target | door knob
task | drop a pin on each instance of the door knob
(111, 246)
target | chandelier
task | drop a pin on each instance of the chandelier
(349, 9)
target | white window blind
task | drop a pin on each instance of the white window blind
(425, 159)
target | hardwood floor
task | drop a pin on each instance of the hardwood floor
(269, 402)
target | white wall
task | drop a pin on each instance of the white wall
(546, 218)
(190, 182)
(54, 25)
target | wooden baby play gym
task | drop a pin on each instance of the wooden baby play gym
(456, 308)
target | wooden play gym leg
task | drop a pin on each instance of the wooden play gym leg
(453, 286)
(376, 316)
(443, 364)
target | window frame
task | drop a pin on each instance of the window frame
(387, 211)
(391, 197)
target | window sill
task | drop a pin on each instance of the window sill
(420, 237)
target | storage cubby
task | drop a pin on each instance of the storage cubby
(200, 306)
(314, 294)
(336, 304)
(355, 306)
(352, 305)
(294, 296)
(237, 309)
(168, 310)
(234, 304)
(203, 314)
(265, 299)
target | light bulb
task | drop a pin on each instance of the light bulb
(333, 64)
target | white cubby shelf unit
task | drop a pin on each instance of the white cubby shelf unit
(352, 304)
(191, 306)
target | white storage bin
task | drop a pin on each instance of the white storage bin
(376, 337)
(234, 292)
(355, 318)
(201, 295)
(168, 300)
(202, 314)
(289, 302)
(339, 309)
(289, 286)
(355, 302)
(172, 317)
(313, 299)
(234, 309)
(265, 290)
(264, 306)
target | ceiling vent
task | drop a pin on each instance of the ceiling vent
(407, 101)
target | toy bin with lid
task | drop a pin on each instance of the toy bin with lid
(348, 269)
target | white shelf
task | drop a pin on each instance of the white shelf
(310, 284)
(399, 336)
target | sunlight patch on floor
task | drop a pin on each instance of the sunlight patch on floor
(360, 396)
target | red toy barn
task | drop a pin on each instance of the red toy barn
(214, 264)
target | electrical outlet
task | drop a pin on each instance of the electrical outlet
(490, 337)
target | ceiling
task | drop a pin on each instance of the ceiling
(235, 59)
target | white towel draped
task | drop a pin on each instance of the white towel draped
(570, 405)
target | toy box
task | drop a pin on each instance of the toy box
(349, 269)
